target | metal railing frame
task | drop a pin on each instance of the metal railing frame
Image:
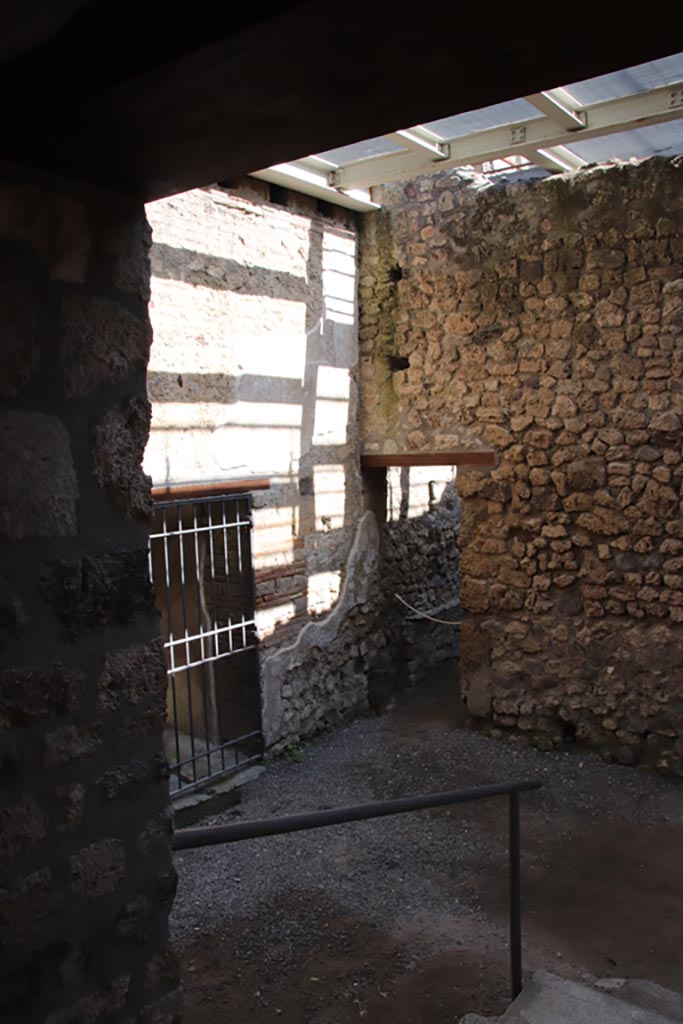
(221, 516)
(212, 835)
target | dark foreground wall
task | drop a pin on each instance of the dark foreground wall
(86, 877)
(545, 319)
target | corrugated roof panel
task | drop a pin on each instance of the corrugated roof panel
(642, 142)
(360, 151)
(662, 139)
(479, 120)
(665, 139)
(631, 80)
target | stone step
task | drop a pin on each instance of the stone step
(646, 994)
(215, 796)
(548, 999)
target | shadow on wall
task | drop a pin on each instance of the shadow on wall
(253, 373)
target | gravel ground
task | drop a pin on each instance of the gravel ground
(405, 918)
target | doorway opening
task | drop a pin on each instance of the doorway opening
(201, 568)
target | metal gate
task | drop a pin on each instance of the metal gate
(201, 568)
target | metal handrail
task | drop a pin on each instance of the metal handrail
(211, 835)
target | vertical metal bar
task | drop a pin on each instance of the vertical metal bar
(240, 568)
(226, 556)
(515, 899)
(188, 651)
(255, 683)
(228, 529)
(170, 647)
(244, 656)
(239, 518)
(200, 629)
(215, 618)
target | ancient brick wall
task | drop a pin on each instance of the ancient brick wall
(545, 319)
(86, 877)
(253, 372)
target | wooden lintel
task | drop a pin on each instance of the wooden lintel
(460, 457)
(181, 492)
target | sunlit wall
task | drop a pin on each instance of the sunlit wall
(253, 374)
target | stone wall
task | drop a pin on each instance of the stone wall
(545, 319)
(86, 877)
(253, 372)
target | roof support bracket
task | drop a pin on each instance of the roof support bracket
(421, 140)
(560, 107)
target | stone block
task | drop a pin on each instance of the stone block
(666, 423)
(139, 916)
(474, 595)
(22, 298)
(35, 692)
(38, 485)
(71, 797)
(119, 446)
(133, 676)
(585, 474)
(672, 311)
(53, 225)
(70, 743)
(155, 838)
(124, 246)
(97, 869)
(133, 779)
(472, 563)
(102, 343)
(13, 616)
(98, 590)
(22, 826)
(162, 970)
(33, 902)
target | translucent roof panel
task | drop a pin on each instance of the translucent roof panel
(631, 80)
(479, 120)
(638, 110)
(658, 139)
(634, 143)
(360, 151)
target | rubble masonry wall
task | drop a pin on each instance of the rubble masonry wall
(545, 319)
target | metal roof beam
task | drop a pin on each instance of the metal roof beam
(312, 181)
(655, 106)
(420, 140)
(557, 109)
(558, 158)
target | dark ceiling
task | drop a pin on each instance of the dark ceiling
(154, 99)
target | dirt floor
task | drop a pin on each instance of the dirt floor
(404, 919)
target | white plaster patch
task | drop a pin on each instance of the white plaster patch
(323, 591)
(360, 568)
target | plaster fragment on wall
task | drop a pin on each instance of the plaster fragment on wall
(360, 568)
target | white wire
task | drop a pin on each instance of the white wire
(426, 615)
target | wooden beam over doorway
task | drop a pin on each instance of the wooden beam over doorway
(458, 457)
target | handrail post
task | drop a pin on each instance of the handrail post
(515, 899)
(209, 835)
